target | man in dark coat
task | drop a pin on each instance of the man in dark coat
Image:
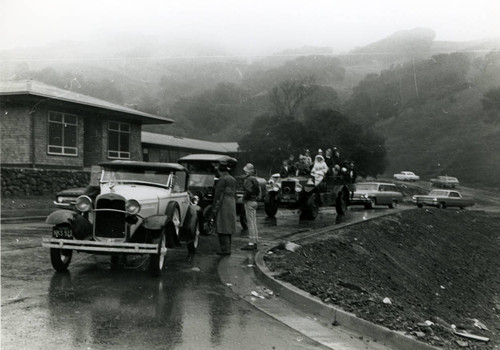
(225, 209)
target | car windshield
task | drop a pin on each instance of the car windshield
(201, 180)
(136, 175)
(438, 193)
(366, 187)
(201, 167)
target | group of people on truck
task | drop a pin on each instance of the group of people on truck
(329, 164)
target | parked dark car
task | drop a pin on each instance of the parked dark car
(66, 199)
(303, 193)
(371, 194)
(443, 199)
(204, 174)
(445, 182)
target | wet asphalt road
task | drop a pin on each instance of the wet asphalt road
(95, 307)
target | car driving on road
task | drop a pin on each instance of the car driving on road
(406, 176)
(445, 182)
(443, 199)
(371, 194)
(142, 208)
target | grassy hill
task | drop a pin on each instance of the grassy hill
(426, 101)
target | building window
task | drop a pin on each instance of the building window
(118, 140)
(63, 131)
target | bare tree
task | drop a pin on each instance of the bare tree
(287, 96)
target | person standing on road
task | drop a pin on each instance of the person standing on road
(251, 193)
(225, 209)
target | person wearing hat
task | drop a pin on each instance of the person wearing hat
(224, 208)
(308, 159)
(251, 193)
(319, 169)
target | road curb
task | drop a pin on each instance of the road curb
(329, 314)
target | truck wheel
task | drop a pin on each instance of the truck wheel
(157, 260)
(270, 205)
(341, 202)
(311, 209)
(60, 258)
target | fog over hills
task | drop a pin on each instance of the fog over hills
(215, 95)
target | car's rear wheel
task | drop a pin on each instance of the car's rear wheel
(394, 204)
(60, 258)
(420, 205)
(270, 205)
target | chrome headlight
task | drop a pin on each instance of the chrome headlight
(434, 199)
(59, 199)
(276, 187)
(195, 200)
(298, 187)
(83, 203)
(365, 196)
(132, 206)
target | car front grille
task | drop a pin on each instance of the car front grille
(110, 224)
(288, 187)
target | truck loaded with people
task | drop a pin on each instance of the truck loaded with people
(308, 185)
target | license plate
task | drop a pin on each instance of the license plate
(62, 232)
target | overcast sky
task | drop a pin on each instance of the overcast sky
(246, 26)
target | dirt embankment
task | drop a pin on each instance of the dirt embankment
(441, 266)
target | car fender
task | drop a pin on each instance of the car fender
(155, 222)
(81, 227)
(187, 231)
(60, 217)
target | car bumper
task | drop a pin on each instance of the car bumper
(359, 201)
(90, 246)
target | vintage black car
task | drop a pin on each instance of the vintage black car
(304, 193)
(203, 170)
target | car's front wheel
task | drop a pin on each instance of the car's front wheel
(60, 258)
(157, 260)
(311, 208)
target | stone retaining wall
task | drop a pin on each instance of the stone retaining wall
(23, 181)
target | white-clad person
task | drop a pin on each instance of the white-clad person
(319, 169)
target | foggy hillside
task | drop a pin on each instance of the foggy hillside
(213, 95)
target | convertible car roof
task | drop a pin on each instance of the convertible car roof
(208, 157)
(142, 165)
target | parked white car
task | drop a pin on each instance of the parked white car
(406, 176)
(141, 208)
